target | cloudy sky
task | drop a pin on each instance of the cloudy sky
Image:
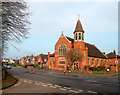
(99, 21)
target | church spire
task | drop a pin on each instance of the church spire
(78, 26)
(78, 33)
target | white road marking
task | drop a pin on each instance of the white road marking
(68, 88)
(93, 81)
(73, 91)
(49, 84)
(62, 89)
(52, 86)
(24, 80)
(42, 83)
(57, 86)
(80, 91)
(91, 92)
(45, 85)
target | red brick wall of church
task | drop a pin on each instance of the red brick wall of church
(57, 58)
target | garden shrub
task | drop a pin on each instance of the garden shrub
(26, 66)
(32, 65)
(19, 65)
(14, 65)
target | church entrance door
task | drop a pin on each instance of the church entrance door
(75, 66)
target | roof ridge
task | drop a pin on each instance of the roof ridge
(69, 37)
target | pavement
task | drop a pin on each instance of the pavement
(55, 82)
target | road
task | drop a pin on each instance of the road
(44, 82)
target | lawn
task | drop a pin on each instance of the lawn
(98, 72)
(8, 80)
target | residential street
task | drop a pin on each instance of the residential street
(55, 82)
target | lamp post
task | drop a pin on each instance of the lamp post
(116, 63)
(33, 60)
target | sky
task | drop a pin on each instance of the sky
(48, 19)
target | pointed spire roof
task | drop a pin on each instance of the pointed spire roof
(62, 36)
(78, 26)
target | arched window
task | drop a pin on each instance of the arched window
(76, 36)
(62, 50)
(82, 37)
(79, 36)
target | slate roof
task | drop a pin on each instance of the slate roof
(112, 55)
(93, 51)
(78, 27)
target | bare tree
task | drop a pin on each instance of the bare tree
(74, 55)
(14, 22)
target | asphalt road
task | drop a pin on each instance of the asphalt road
(59, 84)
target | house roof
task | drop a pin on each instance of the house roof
(52, 55)
(36, 57)
(78, 27)
(70, 39)
(112, 55)
(43, 56)
(93, 51)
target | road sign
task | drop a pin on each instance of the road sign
(116, 61)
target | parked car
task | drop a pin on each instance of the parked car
(7, 66)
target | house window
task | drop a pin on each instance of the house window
(79, 36)
(76, 36)
(110, 65)
(92, 61)
(101, 62)
(105, 62)
(110, 60)
(97, 61)
(88, 61)
(62, 50)
(62, 62)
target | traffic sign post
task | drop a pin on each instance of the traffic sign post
(116, 65)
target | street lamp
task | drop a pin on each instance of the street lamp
(116, 63)
(33, 60)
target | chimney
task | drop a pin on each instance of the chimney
(48, 55)
(114, 51)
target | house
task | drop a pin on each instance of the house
(92, 56)
(112, 57)
(41, 60)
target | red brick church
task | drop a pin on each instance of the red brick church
(92, 56)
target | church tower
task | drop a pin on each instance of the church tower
(78, 33)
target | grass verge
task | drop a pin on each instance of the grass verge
(8, 80)
(98, 72)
